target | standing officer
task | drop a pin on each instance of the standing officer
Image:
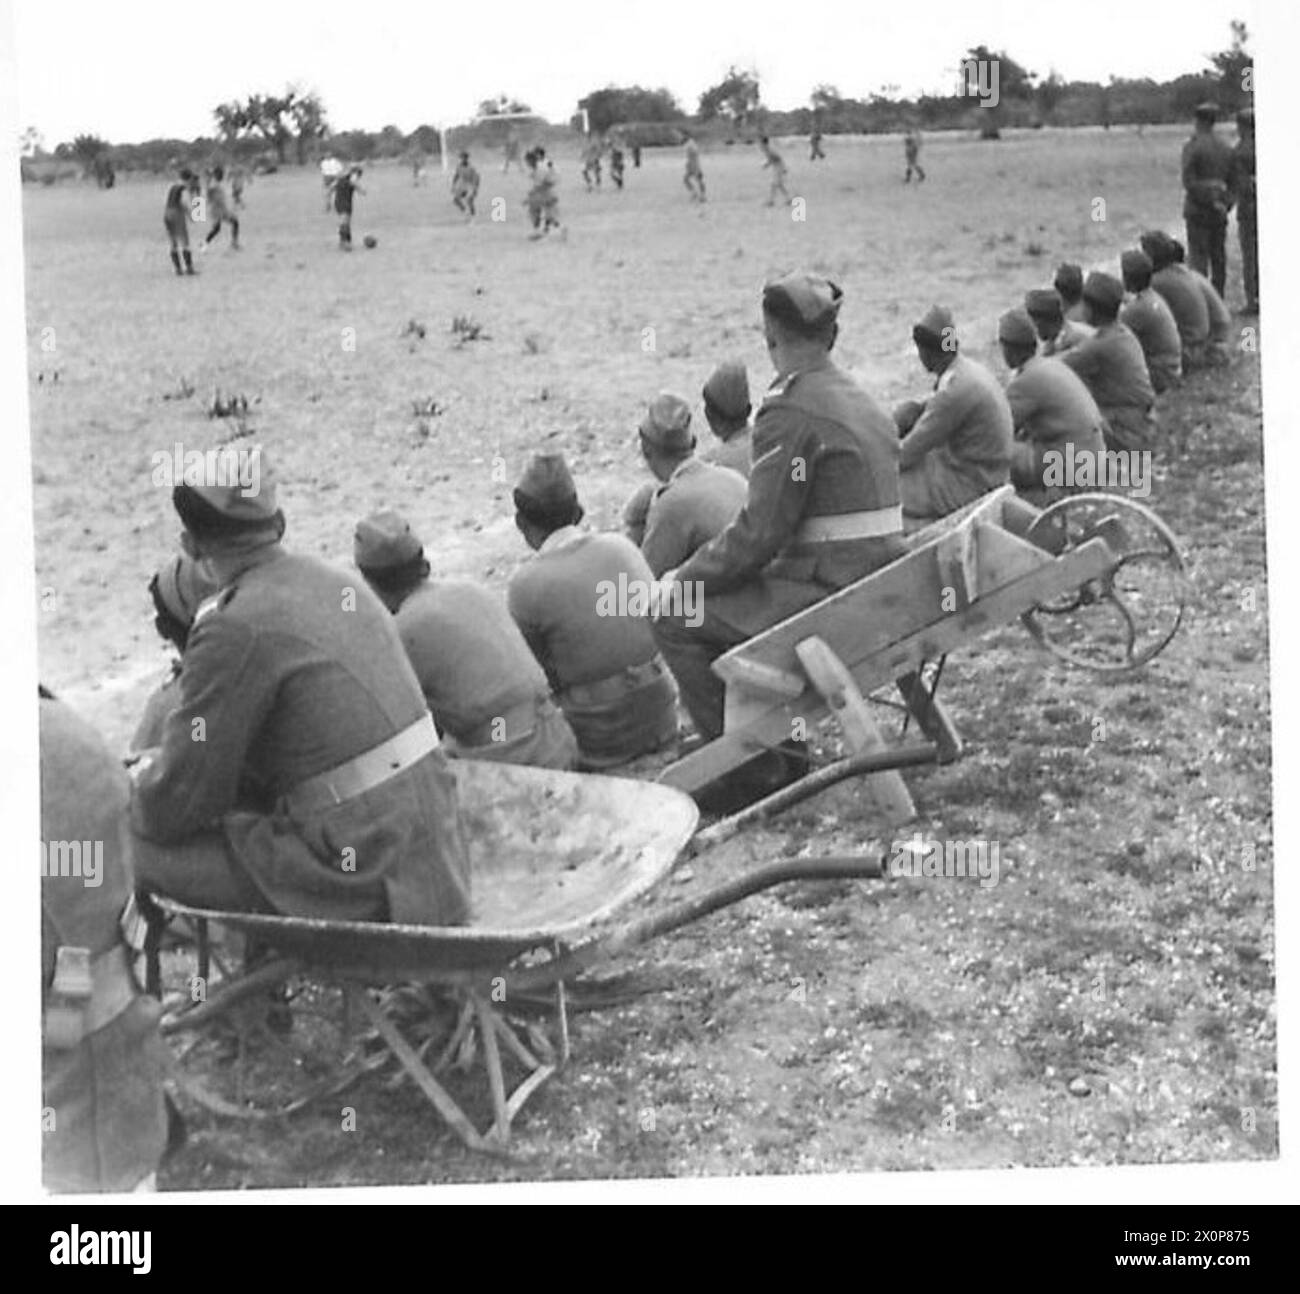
(1207, 176)
(1052, 412)
(726, 409)
(1056, 332)
(822, 510)
(1243, 192)
(599, 656)
(694, 500)
(103, 1061)
(485, 689)
(300, 773)
(957, 444)
(1114, 369)
(1151, 321)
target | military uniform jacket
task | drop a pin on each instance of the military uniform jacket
(822, 447)
(962, 440)
(697, 502)
(1207, 175)
(110, 1123)
(290, 671)
(472, 662)
(1216, 312)
(1243, 177)
(1115, 371)
(1051, 407)
(1186, 303)
(1151, 321)
(555, 599)
(1073, 331)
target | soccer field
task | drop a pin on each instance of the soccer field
(932, 1026)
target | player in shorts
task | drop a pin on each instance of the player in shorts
(176, 220)
(330, 170)
(464, 186)
(694, 175)
(345, 187)
(219, 210)
(777, 163)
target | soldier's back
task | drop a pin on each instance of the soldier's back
(1186, 302)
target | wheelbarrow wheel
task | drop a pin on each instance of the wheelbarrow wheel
(1127, 616)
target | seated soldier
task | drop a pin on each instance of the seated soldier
(822, 511)
(957, 444)
(1218, 344)
(103, 1061)
(1068, 283)
(1151, 321)
(1056, 420)
(727, 409)
(693, 500)
(300, 773)
(1114, 369)
(1057, 332)
(600, 659)
(1175, 283)
(179, 587)
(486, 691)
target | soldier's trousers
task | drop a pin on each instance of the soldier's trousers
(1207, 251)
(1247, 232)
(727, 619)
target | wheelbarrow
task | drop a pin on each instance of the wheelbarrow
(556, 861)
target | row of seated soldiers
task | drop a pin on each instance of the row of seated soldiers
(548, 677)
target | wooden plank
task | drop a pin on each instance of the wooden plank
(932, 717)
(764, 679)
(886, 791)
(954, 555)
(1003, 557)
(931, 641)
(989, 507)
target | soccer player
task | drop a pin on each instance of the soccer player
(330, 170)
(464, 186)
(777, 163)
(543, 204)
(616, 164)
(912, 151)
(345, 187)
(694, 176)
(238, 179)
(591, 161)
(176, 220)
(511, 152)
(218, 210)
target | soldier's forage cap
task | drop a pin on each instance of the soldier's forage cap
(546, 491)
(1135, 264)
(1207, 111)
(727, 390)
(385, 540)
(1104, 290)
(805, 301)
(1159, 246)
(667, 423)
(1017, 328)
(935, 328)
(244, 491)
(1069, 280)
(1044, 303)
(181, 585)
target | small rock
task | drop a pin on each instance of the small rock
(1079, 1087)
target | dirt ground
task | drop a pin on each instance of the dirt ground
(1109, 1001)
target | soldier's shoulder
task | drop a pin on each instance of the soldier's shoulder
(213, 605)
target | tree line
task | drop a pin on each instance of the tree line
(271, 130)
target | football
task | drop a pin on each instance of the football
(370, 240)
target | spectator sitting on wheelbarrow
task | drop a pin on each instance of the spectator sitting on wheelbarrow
(301, 773)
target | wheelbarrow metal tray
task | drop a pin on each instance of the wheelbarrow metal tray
(551, 856)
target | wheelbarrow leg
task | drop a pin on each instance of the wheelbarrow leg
(492, 1062)
(405, 1053)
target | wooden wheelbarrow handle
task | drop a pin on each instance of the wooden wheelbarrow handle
(631, 934)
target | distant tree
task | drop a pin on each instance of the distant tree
(279, 119)
(736, 97)
(1235, 68)
(232, 121)
(979, 66)
(307, 113)
(502, 104)
(1048, 95)
(88, 149)
(426, 139)
(616, 105)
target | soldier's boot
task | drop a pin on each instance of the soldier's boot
(189, 262)
(176, 261)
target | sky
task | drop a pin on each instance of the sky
(134, 69)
